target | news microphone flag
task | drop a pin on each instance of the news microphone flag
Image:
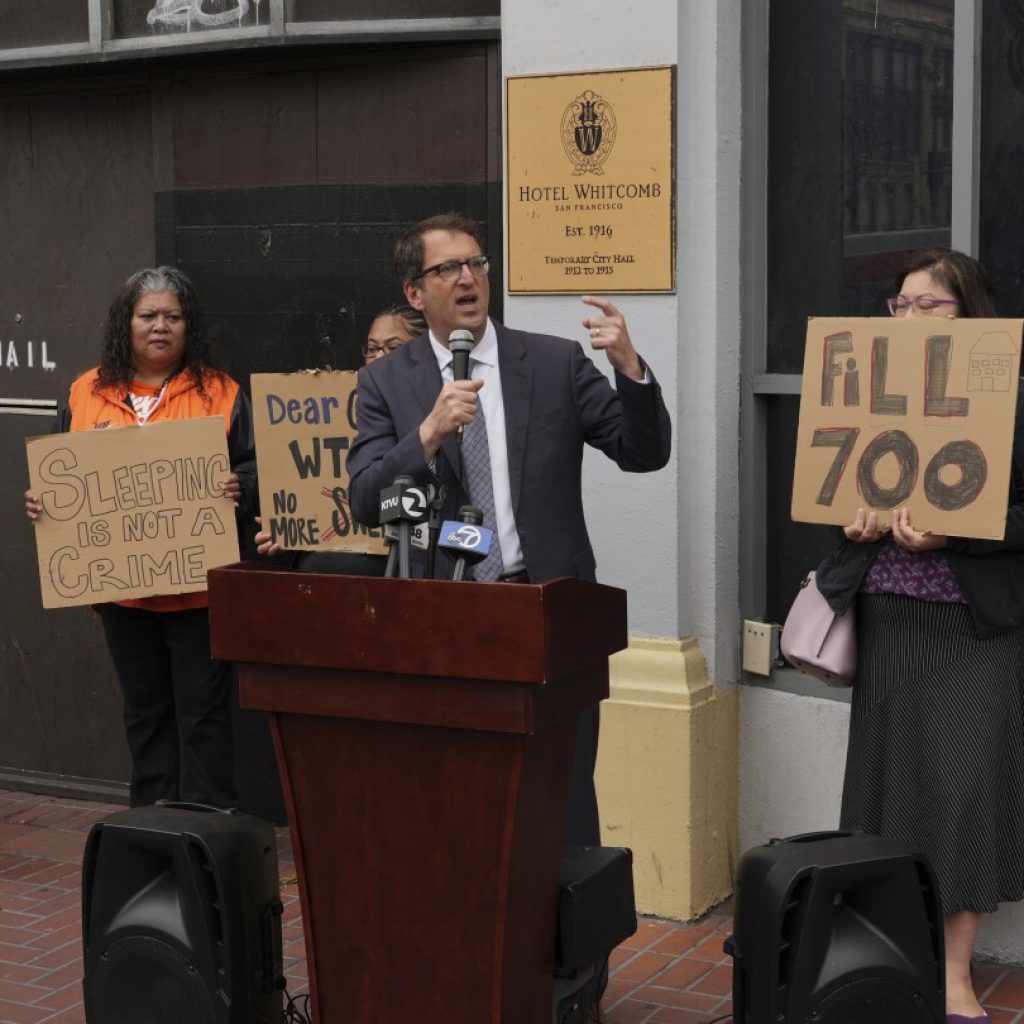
(467, 540)
(404, 501)
(403, 505)
(418, 535)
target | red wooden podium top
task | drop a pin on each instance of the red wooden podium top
(468, 630)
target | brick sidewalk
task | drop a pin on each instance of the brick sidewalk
(668, 973)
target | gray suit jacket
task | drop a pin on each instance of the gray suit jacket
(555, 401)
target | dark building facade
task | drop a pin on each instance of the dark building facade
(270, 150)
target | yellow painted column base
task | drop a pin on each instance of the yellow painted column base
(667, 776)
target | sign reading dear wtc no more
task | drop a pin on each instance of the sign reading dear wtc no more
(591, 176)
(131, 512)
(913, 413)
(305, 423)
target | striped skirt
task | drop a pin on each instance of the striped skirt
(936, 753)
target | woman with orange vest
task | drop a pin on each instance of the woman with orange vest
(157, 365)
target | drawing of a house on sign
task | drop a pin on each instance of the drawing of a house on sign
(991, 362)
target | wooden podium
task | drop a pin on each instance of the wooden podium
(424, 732)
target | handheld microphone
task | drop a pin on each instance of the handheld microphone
(466, 538)
(460, 344)
(404, 504)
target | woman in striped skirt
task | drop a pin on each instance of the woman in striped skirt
(936, 752)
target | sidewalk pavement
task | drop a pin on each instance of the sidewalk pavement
(667, 973)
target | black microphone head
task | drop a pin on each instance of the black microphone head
(471, 514)
(460, 344)
(405, 500)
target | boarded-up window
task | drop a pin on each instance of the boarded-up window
(327, 10)
(43, 23)
(130, 18)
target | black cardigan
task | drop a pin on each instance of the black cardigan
(990, 572)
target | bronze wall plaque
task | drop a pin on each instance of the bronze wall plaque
(591, 182)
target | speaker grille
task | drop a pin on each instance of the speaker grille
(141, 980)
(872, 999)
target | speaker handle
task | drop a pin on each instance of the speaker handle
(812, 837)
(184, 805)
(272, 948)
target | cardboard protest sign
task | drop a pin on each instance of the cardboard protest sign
(131, 512)
(913, 412)
(305, 423)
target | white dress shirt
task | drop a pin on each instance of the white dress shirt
(484, 366)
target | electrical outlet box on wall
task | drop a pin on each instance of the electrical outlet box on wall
(760, 646)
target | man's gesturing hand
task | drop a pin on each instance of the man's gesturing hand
(609, 332)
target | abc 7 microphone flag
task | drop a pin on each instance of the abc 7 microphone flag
(466, 538)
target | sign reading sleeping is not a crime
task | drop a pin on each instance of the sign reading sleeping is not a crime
(132, 511)
(915, 413)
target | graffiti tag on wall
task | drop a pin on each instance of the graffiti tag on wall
(199, 15)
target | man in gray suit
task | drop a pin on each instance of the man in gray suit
(537, 400)
(541, 396)
(542, 400)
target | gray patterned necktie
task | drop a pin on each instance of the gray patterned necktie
(476, 473)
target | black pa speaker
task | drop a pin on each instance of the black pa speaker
(181, 918)
(596, 906)
(837, 928)
(596, 911)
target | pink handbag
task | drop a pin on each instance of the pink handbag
(817, 641)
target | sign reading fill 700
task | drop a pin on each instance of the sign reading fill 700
(914, 413)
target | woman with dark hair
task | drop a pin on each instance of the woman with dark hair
(157, 365)
(942, 282)
(936, 751)
(392, 327)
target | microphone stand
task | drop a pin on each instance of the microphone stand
(391, 568)
(434, 529)
(403, 549)
(472, 515)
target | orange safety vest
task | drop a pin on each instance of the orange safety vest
(105, 408)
